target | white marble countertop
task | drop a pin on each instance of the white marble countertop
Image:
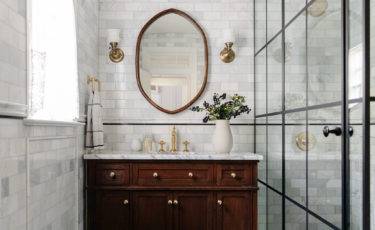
(172, 156)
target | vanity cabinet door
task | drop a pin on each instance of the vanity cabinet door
(194, 210)
(234, 212)
(112, 211)
(152, 210)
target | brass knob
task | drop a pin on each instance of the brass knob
(233, 175)
(170, 202)
(220, 202)
(126, 202)
(112, 175)
(175, 202)
(155, 175)
(191, 174)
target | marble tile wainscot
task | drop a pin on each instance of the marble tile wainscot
(41, 172)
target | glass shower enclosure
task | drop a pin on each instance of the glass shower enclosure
(314, 86)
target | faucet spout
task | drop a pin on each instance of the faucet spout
(173, 140)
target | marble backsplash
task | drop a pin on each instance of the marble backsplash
(120, 137)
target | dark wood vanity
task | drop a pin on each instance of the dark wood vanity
(171, 194)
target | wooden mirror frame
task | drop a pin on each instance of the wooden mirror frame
(137, 57)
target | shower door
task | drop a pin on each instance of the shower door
(310, 113)
(326, 155)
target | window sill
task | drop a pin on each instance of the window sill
(33, 122)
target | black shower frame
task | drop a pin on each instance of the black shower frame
(365, 100)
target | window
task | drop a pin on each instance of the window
(53, 61)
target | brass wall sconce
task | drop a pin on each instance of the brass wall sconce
(227, 55)
(116, 54)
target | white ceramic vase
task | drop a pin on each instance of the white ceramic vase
(222, 139)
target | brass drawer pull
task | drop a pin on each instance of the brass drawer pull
(155, 175)
(126, 202)
(170, 202)
(233, 175)
(175, 202)
(220, 202)
(191, 175)
(112, 175)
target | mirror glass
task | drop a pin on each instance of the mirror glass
(172, 61)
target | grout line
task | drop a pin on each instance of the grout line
(51, 138)
(27, 182)
(77, 178)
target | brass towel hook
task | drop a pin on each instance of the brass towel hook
(92, 80)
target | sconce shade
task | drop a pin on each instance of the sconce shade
(229, 36)
(227, 55)
(113, 35)
(116, 54)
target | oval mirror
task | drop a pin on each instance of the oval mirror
(171, 61)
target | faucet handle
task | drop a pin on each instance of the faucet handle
(162, 143)
(186, 144)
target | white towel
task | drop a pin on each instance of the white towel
(94, 127)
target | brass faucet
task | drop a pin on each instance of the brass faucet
(173, 140)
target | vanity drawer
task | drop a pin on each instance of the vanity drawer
(236, 174)
(112, 174)
(177, 174)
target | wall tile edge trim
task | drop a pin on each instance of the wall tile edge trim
(11, 109)
(33, 122)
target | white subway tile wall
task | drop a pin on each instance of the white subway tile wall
(52, 179)
(12, 175)
(372, 50)
(12, 132)
(123, 102)
(41, 176)
(87, 21)
(87, 17)
(13, 51)
(119, 138)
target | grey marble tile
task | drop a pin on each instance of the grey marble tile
(21, 164)
(22, 7)
(72, 164)
(34, 177)
(5, 187)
